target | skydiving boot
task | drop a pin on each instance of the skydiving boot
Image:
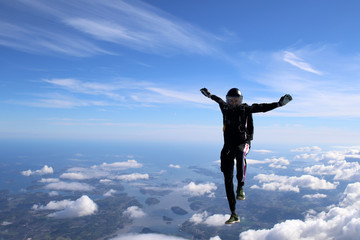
(234, 218)
(240, 194)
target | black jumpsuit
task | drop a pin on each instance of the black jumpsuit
(238, 132)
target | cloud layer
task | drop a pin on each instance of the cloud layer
(339, 222)
(105, 172)
(274, 182)
(343, 165)
(273, 162)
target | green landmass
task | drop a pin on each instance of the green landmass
(25, 223)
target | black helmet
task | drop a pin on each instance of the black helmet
(234, 93)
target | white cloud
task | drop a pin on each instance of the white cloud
(42, 171)
(49, 180)
(335, 163)
(217, 162)
(6, 223)
(133, 177)
(104, 170)
(110, 193)
(216, 220)
(262, 151)
(215, 238)
(112, 94)
(332, 94)
(53, 193)
(182, 96)
(306, 156)
(198, 218)
(213, 220)
(315, 196)
(56, 100)
(105, 181)
(148, 236)
(32, 38)
(342, 170)
(69, 186)
(142, 27)
(74, 176)
(274, 162)
(338, 222)
(294, 60)
(200, 189)
(307, 149)
(174, 166)
(274, 182)
(331, 156)
(120, 165)
(131, 24)
(91, 88)
(134, 212)
(53, 205)
(79, 173)
(83, 206)
(254, 161)
(278, 162)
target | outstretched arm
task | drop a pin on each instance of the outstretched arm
(211, 96)
(264, 107)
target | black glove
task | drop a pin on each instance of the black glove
(205, 92)
(284, 100)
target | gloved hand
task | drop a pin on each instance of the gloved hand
(205, 92)
(284, 100)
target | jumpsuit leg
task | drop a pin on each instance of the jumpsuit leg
(241, 153)
(227, 167)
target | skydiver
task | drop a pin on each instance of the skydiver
(238, 131)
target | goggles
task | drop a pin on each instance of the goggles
(234, 101)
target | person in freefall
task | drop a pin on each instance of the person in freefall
(238, 132)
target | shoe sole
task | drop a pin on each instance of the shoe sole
(239, 198)
(232, 222)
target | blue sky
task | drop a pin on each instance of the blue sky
(132, 70)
